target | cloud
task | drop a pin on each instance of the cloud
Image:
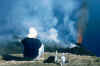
(51, 18)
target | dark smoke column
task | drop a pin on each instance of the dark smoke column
(82, 22)
(33, 48)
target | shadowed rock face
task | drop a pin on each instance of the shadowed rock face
(31, 47)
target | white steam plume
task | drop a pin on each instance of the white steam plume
(55, 20)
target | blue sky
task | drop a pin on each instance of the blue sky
(92, 37)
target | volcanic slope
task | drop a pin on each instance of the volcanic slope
(73, 60)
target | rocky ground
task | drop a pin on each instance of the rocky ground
(73, 60)
(11, 55)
